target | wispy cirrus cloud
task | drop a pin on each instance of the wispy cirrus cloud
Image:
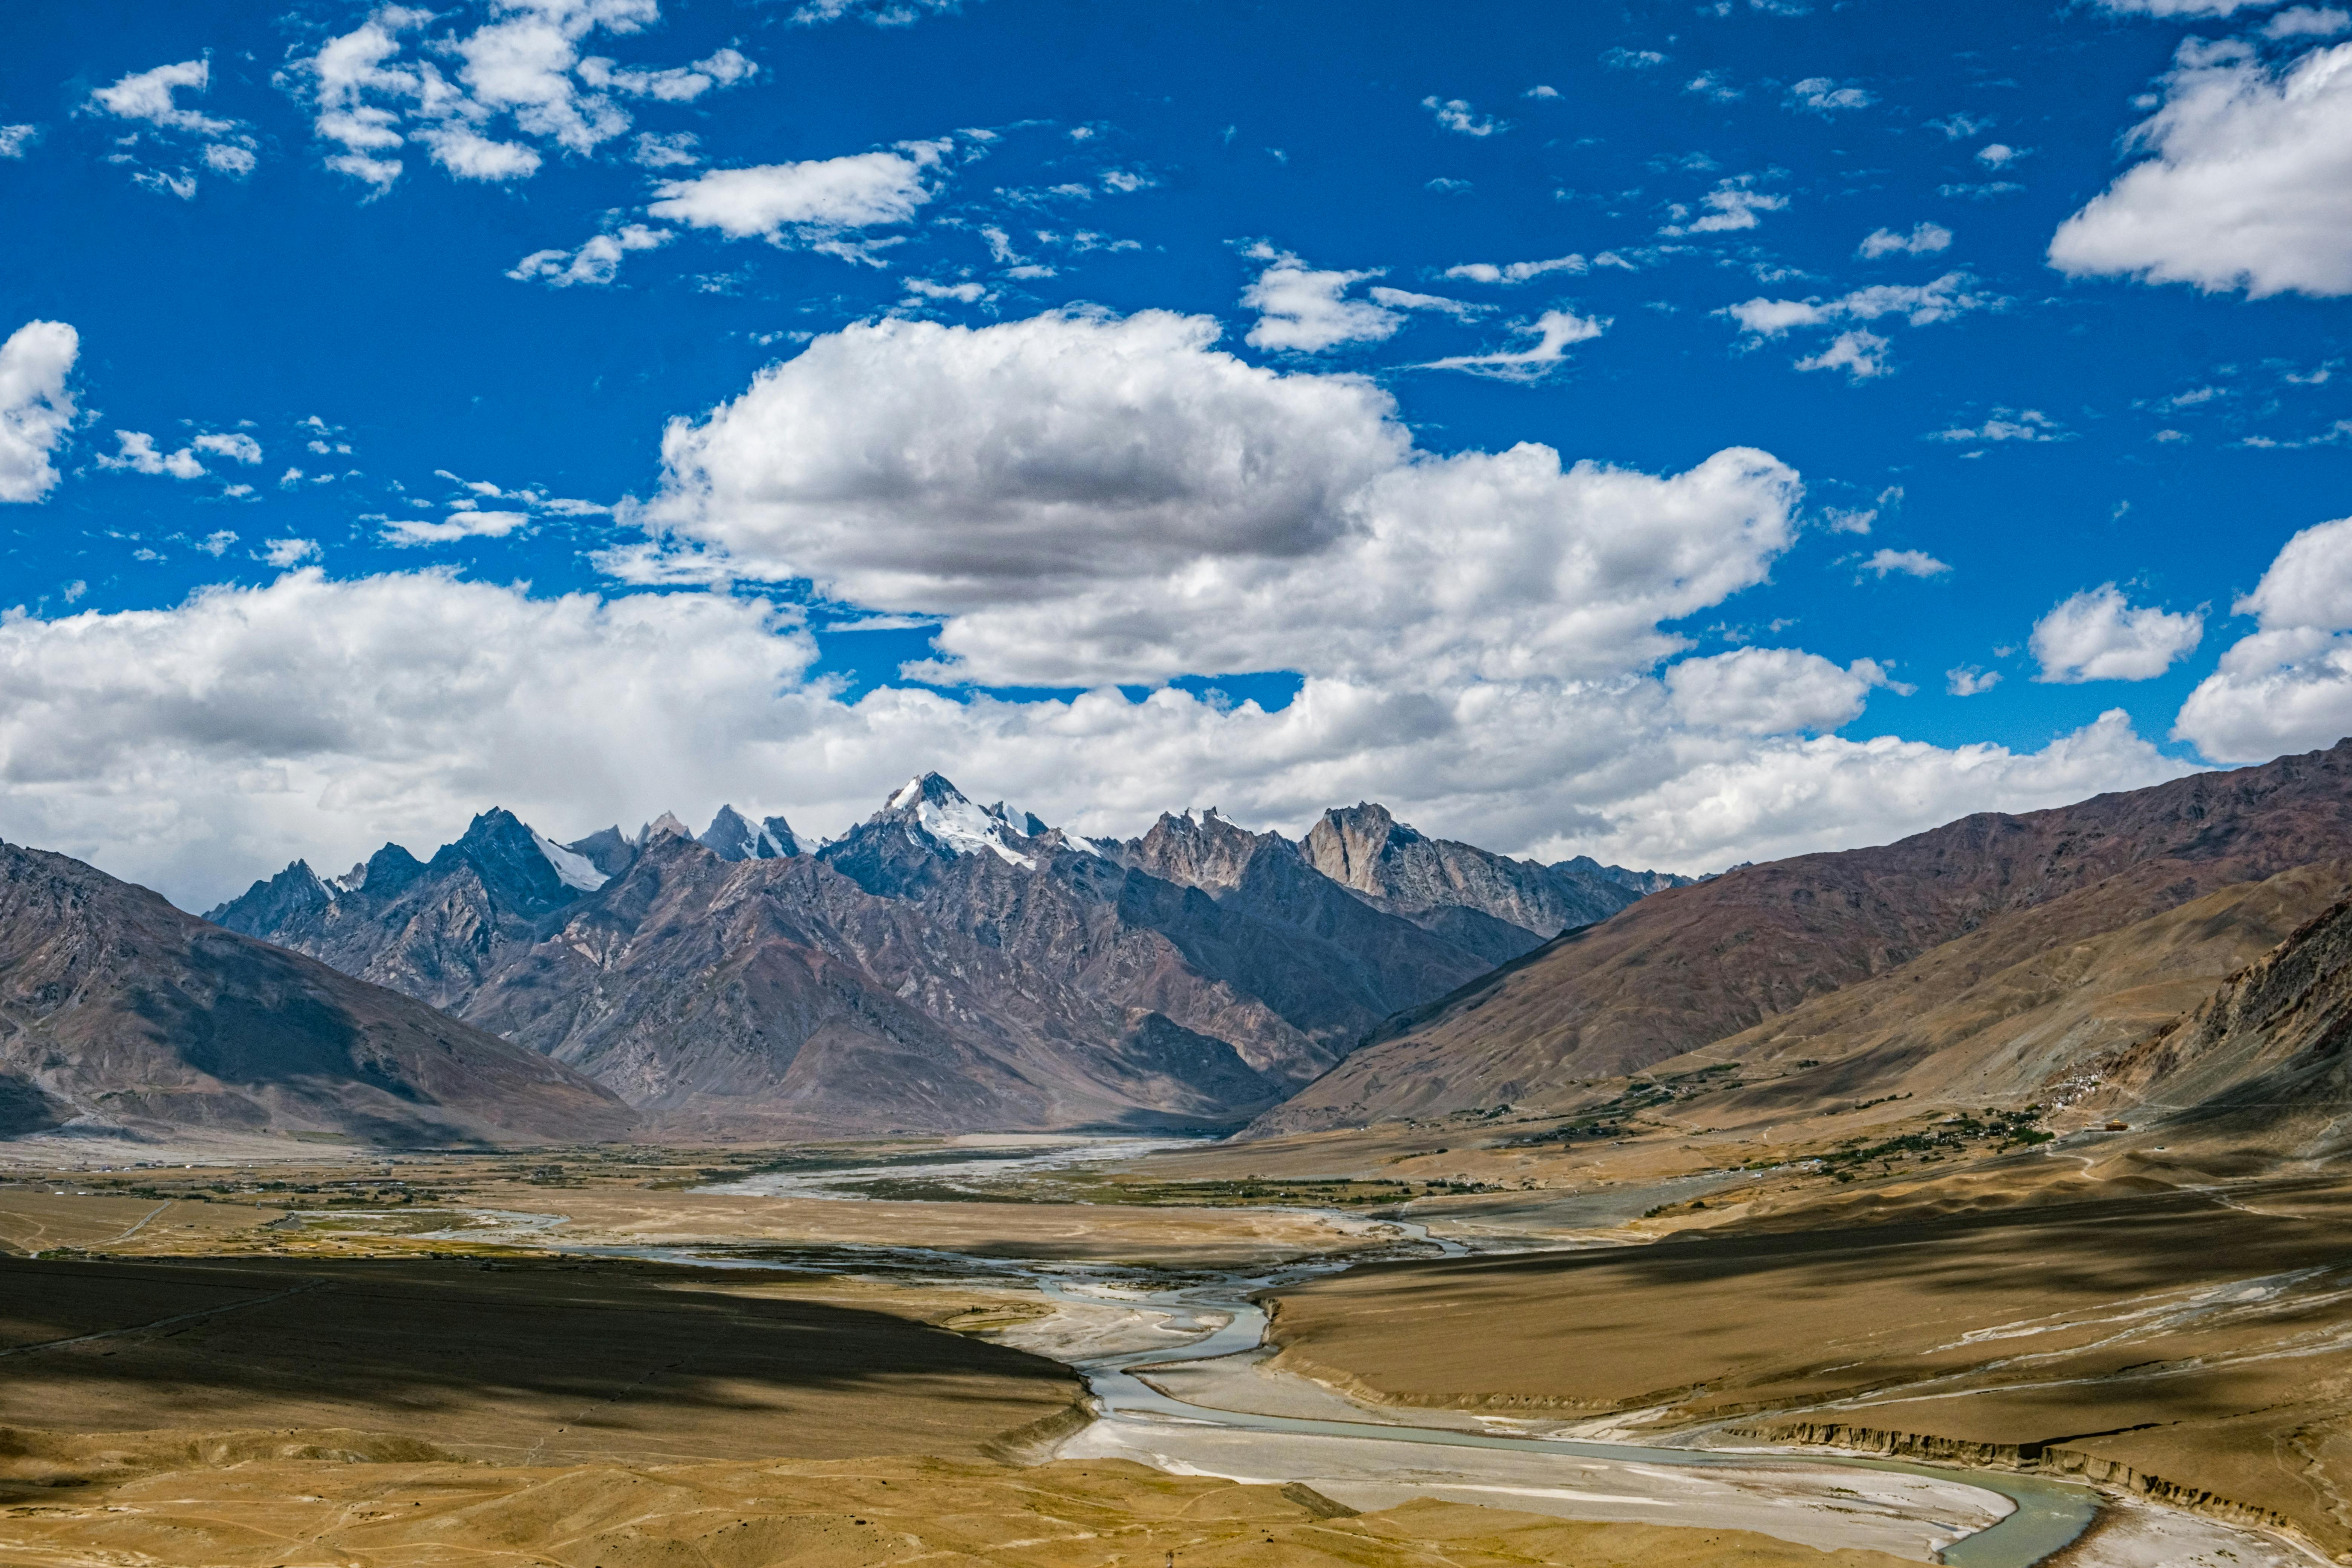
(1555, 332)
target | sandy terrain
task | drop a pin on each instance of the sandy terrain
(1178, 1237)
(414, 1203)
(1070, 1331)
(1901, 1516)
(851, 1514)
(532, 1363)
(36, 1219)
(2131, 1534)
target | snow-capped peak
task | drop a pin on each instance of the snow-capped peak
(573, 870)
(951, 819)
(734, 837)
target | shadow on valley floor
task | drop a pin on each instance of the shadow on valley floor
(2201, 1337)
(2118, 1244)
(530, 1363)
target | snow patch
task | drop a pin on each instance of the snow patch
(574, 870)
(967, 829)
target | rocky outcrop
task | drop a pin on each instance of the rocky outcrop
(2266, 1060)
(1641, 882)
(732, 836)
(1499, 905)
(119, 1011)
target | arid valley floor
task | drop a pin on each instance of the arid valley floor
(627, 1356)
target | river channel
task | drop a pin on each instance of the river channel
(1200, 1320)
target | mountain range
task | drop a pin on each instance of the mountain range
(943, 965)
(119, 1011)
(946, 965)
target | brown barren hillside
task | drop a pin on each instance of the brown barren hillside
(118, 1010)
(2264, 1066)
(1690, 966)
(2025, 1006)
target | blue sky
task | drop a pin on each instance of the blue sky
(397, 306)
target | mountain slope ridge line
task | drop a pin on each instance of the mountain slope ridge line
(1693, 966)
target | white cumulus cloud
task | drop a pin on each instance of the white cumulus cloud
(1925, 239)
(1455, 114)
(880, 13)
(2287, 686)
(1921, 304)
(1486, 639)
(1733, 204)
(36, 407)
(1821, 95)
(518, 85)
(196, 747)
(236, 446)
(1769, 691)
(2028, 424)
(2098, 635)
(1861, 353)
(1878, 788)
(2198, 8)
(1884, 564)
(137, 453)
(1305, 308)
(1090, 499)
(2309, 22)
(596, 262)
(814, 202)
(1515, 271)
(465, 523)
(2245, 186)
(149, 98)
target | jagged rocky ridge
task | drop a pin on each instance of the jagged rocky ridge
(944, 964)
(121, 1012)
(1482, 901)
